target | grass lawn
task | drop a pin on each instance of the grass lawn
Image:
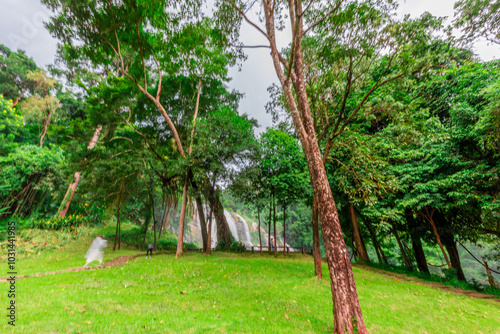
(224, 293)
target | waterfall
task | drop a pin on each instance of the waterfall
(232, 225)
(248, 237)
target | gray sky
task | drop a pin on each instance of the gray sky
(21, 27)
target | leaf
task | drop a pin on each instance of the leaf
(286, 316)
(183, 292)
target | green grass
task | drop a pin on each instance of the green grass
(226, 293)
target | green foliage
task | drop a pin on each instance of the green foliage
(133, 236)
(30, 173)
(68, 223)
(478, 18)
(234, 246)
(14, 70)
(11, 127)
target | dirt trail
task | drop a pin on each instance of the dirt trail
(118, 261)
(415, 280)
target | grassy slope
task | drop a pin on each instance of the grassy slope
(226, 293)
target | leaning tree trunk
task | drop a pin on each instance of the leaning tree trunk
(165, 222)
(419, 255)
(223, 231)
(401, 248)
(428, 215)
(491, 280)
(360, 245)
(347, 311)
(378, 249)
(72, 187)
(45, 127)
(451, 247)
(318, 271)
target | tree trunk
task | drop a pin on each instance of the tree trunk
(428, 215)
(346, 309)
(403, 253)
(209, 234)
(203, 224)
(180, 237)
(491, 280)
(223, 231)
(260, 236)
(165, 222)
(72, 187)
(380, 253)
(274, 224)
(284, 230)
(269, 229)
(45, 127)
(419, 255)
(451, 247)
(146, 223)
(360, 245)
(117, 233)
(318, 271)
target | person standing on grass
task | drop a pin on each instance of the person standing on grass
(149, 251)
(95, 252)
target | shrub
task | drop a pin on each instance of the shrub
(63, 223)
(234, 246)
(134, 236)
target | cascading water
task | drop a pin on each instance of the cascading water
(232, 225)
(247, 238)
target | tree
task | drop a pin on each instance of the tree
(14, 69)
(478, 18)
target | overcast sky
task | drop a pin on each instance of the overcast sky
(21, 27)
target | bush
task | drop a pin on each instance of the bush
(234, 246)
(134, 236)
(63, 223)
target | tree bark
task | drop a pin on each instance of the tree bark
(203, 224)
(428, 215)
(269, 229)
(284, 230)
(274, 225)
(451, 247)
(117, 233)
(146, 223)
(401, 248)
(45, 127)
(223, 231)
(209, 234)
(72, 187)
(360, 245)
(419, 255)
(180, 237)
(318, 271)
(260, 236)
(378, 249)
(491, 280)
(165, 222)
(347, 311)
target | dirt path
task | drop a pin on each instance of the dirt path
(415, 280)
(118, 261)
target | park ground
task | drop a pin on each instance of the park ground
(223, 293)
